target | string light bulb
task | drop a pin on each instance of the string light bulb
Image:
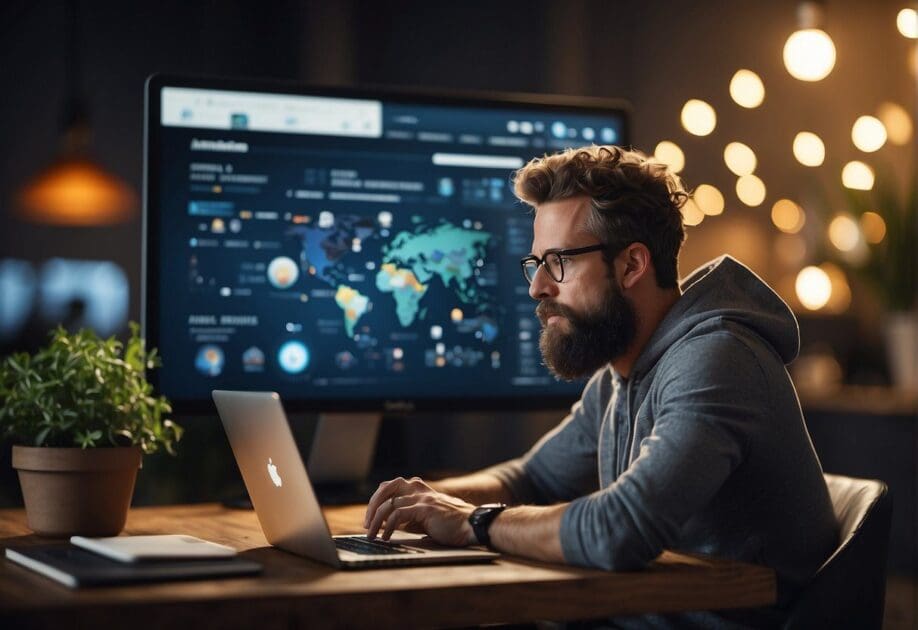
(809, 53)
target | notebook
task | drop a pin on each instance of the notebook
(75, 567)
(285, 502)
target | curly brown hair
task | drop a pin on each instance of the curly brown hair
(633, 199)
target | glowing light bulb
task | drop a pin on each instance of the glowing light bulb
(897, 122)
(868, 134)
(750, 190)
(747, 89)
(709, 199)
(809, 54)
(698, 117)
(670, 154)
(809, 149)
(907, 23)
(787, 216)
(857, 176)
(740, 158)
(814, 288)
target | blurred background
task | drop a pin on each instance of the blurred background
(792, 122)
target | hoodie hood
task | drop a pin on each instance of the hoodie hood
(724, 290)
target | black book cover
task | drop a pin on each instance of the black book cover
(75, 567)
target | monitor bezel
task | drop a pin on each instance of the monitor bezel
(151, 226)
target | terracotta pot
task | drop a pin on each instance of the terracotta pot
(75, 491)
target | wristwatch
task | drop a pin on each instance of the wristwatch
(481, 520)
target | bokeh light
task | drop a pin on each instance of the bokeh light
(670, 154)
(844, 233)
(814, 288)
(809, 149)
(787, 216)
(750, 190)
(873, 227)
(857, 176)
(840, 297)
(868, 134)
(897, 122)
(907, 23)
(747, 89)
(740, 159)
(709, 199)
(691, 213)
(809, 54)
(698, 117)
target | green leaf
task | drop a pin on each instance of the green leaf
(83, 390)
(40, 438)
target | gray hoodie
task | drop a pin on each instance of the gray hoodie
(703, 448)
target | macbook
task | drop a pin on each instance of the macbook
(285, 502)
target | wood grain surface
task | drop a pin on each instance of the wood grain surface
(295, 592)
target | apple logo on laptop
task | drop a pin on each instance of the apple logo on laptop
(272, 472)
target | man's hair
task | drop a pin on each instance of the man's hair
(633, 198)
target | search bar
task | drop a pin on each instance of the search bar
(477, 161)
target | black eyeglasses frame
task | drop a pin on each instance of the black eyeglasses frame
(560, 254)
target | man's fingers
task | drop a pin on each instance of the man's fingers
(381, 514)
(382, 494)
(400, 516)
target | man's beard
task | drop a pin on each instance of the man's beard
(595, 338)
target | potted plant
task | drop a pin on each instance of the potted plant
(82, 413)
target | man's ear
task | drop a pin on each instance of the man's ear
(632, 264)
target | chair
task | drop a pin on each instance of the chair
(849, 588)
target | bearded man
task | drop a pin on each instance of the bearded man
(688, 434)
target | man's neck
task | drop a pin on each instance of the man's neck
(648, 319)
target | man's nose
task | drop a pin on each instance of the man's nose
(542, 286)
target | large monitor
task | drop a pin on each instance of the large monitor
(354, 250)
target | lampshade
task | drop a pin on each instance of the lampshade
(75, 191)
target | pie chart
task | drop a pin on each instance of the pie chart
(283, 272)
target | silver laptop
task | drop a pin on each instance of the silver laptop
(286, 505)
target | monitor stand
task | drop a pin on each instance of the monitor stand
(341, 457)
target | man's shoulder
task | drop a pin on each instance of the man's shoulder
(720, 354)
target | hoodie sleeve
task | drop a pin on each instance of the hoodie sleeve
(562, 465)
(706, 398)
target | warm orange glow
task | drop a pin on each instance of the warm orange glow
(874, 227)
(840, 297)
(77, 192)
(787, 216)
(897, 122)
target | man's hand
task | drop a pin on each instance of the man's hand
(413, 505)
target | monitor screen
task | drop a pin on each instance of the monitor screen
(349, 249)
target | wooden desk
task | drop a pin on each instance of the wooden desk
(295, 592)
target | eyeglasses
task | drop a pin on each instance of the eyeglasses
(553, 261)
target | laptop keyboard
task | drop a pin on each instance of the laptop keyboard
(359, 544)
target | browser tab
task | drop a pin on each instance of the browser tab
(279, 113)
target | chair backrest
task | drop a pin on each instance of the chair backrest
(848, 590)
